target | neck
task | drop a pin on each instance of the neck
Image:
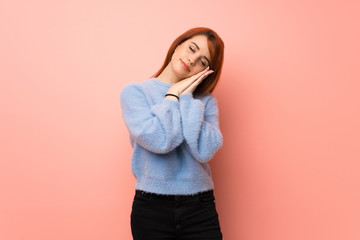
(168, 76)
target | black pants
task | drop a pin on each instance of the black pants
(159, 217)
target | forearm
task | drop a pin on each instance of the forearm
(200, 127)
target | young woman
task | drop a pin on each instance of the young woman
(174, 130)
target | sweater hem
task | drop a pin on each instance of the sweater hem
(174, 187)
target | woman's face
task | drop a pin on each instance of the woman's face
(190, 57)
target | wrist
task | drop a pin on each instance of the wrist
(172, 96)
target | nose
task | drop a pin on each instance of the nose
(191, 61)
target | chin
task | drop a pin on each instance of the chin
(180, 72)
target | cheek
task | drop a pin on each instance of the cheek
(198, 68)
(175, 54)
(194, 72)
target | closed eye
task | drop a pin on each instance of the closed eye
(204, 61)
(193, 50)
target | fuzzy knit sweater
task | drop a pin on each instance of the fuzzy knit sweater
(172, 141)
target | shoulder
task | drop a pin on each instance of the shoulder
(129, 90)
(135, 88)
(207, 99)
(135, 85)
(211, 105)
(131, 93)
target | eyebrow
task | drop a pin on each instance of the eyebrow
(199, 49)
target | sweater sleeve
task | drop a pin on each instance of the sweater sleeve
(200, 124)
(157, 128)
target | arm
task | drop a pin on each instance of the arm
(200, 126)
(156, 128)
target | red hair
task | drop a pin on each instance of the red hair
(216, 50)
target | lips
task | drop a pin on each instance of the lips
(184, 65)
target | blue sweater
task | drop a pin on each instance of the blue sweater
(172, 141)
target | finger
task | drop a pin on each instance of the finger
(202, 77)
(203, 72)
(195, 76)
(199, 74)
(193, 86)
(186, 83)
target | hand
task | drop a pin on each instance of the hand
(188, 85)
(193, 86)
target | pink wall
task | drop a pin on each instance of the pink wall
(289, 104)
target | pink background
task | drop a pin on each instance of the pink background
(289, 111)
